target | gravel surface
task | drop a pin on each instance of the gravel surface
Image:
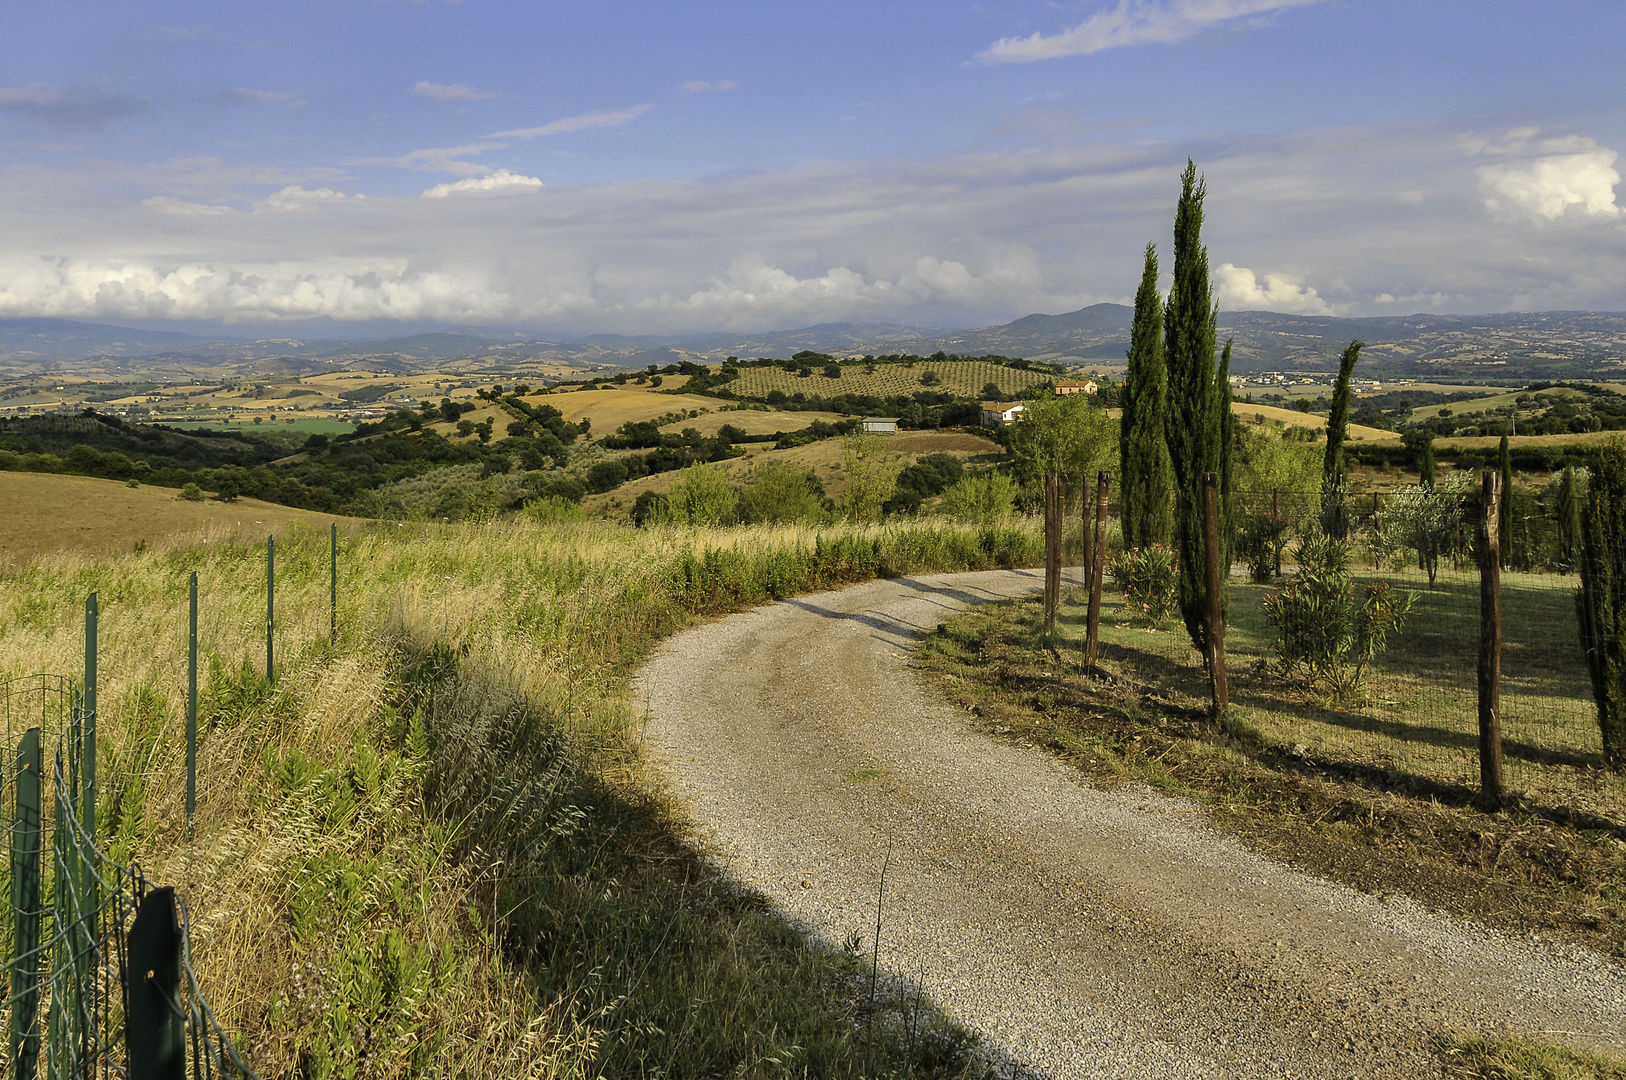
(1080, 932)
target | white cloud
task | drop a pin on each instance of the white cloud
(700, 86)
(501, 182)
(246, 293)
(1548, 177)
(1134, 22)
(449, 92)
(609, 118)
(165, 204)
(448, 159)
(246, 96)
(298, 197)
(1238, 289)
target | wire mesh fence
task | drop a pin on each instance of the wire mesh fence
(100, 979)
(1414, 713)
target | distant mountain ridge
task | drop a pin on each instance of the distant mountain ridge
(1561, 344)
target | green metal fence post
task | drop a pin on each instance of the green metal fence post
(192, 711)
(270, 606)
(25, 909)
(333, 585)
(88, 759)
(155, 1026)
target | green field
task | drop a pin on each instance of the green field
(309, 425)
(963, 378)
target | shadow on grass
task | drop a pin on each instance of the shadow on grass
(597, 893)
(952, 601)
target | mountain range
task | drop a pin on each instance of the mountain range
(1513, 345)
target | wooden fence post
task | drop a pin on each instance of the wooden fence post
(1490, 643)
(1215, 627)
(1092, 633)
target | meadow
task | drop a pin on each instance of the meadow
(431, 848)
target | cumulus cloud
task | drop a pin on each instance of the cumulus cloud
(297, 197)
(388, 289)
(69, 107)
(1238, 289)
(1547, 178)
(606, 119)
(245, 96)
(165, 204)
(500, 182)
(1134, 22)
(700, 86)
(449, 92)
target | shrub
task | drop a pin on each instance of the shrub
(1150, 580)
(777, 494)
(987, 498)
(552, 510)
(191, 493)
(703, 497)
(1261, 540)
(1431, 519)
(1323, 635)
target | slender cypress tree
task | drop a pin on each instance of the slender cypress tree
(1222, 385)
(1426, 466)
(1334, 474)
(1146, 481)
(1567, 509)
(1601, 601)
(1193, 427)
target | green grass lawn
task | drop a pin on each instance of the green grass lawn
(1418, 710)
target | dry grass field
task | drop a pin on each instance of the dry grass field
(966, 378)
(43, 514)
(1294, 418)
(752, 421)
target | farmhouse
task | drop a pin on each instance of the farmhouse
(996, 413)
(880, 425)
(1085, 387)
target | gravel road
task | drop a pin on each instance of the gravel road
(1083, 933)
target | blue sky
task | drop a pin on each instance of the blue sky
(644, 167)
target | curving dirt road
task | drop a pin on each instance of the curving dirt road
(1083, 933)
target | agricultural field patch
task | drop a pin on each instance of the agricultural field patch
(962, 378)
(750, 421)
(1317, 421)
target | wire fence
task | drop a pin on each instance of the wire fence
(1414, 715)
(100, 981)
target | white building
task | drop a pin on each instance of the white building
(880, 425)
(996, 413)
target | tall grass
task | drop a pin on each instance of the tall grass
(430, 848)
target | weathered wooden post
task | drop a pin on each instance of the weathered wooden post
(1490, 643)
(1092, 633)
(1215, 626)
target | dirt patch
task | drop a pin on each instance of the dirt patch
(1522, 870)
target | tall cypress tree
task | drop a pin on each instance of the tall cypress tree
(1334, 474)
(1193, 424)
(1425, 466)
(1227, 419)
(1145, 479)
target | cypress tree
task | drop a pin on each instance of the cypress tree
(1222, 383)
(1334, 474)
(1192, 422)
(1426, 466)
(1567, 509)
(1146, 480)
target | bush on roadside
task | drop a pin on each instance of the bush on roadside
(987, 498)
(1150, 579)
